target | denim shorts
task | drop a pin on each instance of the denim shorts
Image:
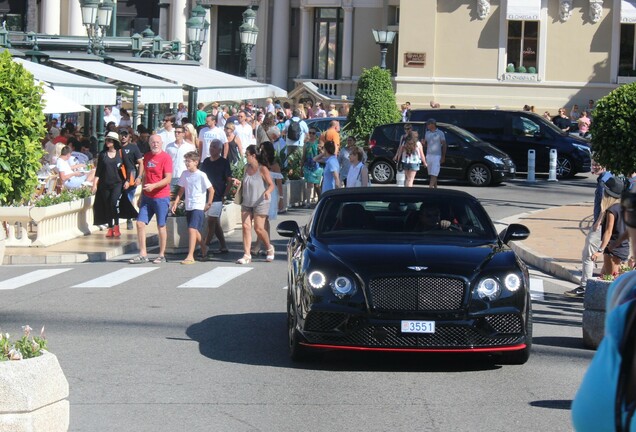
(151, 206)
(195, 219)
(411, 166)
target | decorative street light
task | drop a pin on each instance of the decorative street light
(384, 38)
(96, 16)
(249, 34)
(198, 28)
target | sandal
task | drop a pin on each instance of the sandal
(140, 259)
(245, 260)
(159, 260)
(270, 254)
(188, 262)
(220, 251)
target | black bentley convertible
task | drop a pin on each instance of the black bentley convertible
(406, 269)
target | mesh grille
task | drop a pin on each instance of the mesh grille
(416, 293)
(323, 321)
(507, 323)
(391, 337)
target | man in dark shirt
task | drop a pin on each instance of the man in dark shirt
(220, 175)
(135, 159)
(562, 121)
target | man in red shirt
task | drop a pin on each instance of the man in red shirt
(155, 199)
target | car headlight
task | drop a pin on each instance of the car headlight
(583, 148)
(488, 288)
(316, 279)
(512, 282)
(494, 159)
(343, 286)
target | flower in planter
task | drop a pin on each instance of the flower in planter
(623, 268)
(67, 195)
(28, 346)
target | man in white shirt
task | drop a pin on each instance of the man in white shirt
(295, 131)
(210, 132)
(109, 116)
(244, 130)
(167, 132)
(72, 179)
(269, 106)
(181, 113)
(177, 151)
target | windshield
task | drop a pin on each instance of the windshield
(414, 218)
(463, 134)
(547, 124)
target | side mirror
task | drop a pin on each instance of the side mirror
(514, 232)
(288, 228)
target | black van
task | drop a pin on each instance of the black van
(516, 132)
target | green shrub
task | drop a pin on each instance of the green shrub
(521, 69)
(510, 68)
(613, 130)
(374, 103)
(66, 195)
(21, 129)
(532, 70)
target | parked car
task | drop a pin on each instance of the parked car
(322, 124)
(467, 157)
(406, 269)
(516, 132)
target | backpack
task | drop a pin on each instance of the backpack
(293, 130)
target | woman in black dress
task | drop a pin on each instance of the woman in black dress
(108, 185)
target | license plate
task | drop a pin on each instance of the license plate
(418, 326)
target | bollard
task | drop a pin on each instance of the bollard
(399, 178)
(553, 165)
(532, 157)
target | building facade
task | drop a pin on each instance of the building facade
(467, 53)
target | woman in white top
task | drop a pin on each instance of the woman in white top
(268, 158)
(412, 156)
(358, 173)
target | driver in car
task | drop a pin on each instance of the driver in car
(428, 219)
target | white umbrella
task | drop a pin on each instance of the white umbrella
(57, 103)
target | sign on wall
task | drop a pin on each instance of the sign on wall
(417, 60)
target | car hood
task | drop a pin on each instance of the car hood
(490, 149)
(379, 259)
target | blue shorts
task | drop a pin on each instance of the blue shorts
(195, 219)
(151, 206)
(411, 166)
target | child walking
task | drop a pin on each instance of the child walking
(195, 184)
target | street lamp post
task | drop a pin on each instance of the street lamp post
(198, 28)
(96, 17)
(249, 34)
(384, 38)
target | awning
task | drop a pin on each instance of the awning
(523, 10)
(211, 85)
(83, 91)
(152, 90)
(56, 103)
(628, 11)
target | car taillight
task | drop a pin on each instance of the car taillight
(371, 143)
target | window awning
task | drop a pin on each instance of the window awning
(211, 85)
(57, 103)
(81, 90)
(152, 90)
(628, 11)
(523, 10)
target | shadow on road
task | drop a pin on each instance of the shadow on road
(261, 339)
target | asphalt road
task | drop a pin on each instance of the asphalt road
(203, 348)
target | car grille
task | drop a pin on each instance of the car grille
(391, 337)
(323, 321)
(416, 293)
(506, 323)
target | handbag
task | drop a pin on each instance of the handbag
(238, 196)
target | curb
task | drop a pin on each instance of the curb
(544, 263)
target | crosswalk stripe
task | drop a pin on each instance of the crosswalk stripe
(31, 277)
(215, 278)
(536, 289)
(117, 277)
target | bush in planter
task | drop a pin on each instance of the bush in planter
(21, 129)
(521, 69)
(510, 68)
(532, 70)
(66, 195)
(374, 103)
(28, 346)
(614, 130)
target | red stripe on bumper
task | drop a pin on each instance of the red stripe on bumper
(438, 350)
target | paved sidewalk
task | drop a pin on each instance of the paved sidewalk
(556, 239)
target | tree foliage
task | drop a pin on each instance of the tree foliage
(613, 130)
(21, 129)
(374, 103)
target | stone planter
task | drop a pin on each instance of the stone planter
(594, 312)
(33, 395)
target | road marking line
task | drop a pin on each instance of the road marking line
(536, 289)
(215, 278)
(31, 277)
(117, 277)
